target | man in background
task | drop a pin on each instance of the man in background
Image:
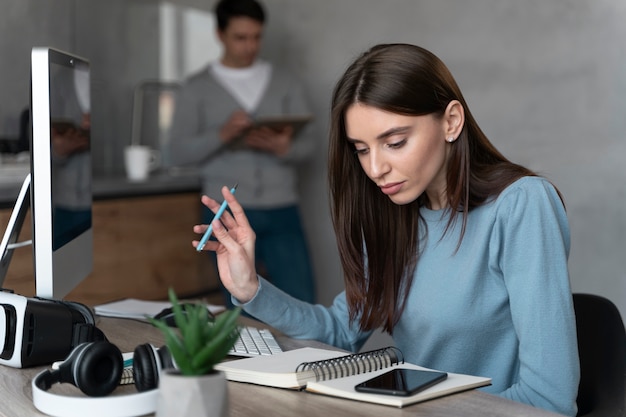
(213, 128)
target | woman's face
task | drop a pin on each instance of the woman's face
(403, 155)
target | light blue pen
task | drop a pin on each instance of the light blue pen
(209, 231)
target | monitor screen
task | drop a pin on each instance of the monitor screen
(61, 196)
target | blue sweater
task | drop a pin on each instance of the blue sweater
(499, 307)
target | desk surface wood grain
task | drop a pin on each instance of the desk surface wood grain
(248, 400)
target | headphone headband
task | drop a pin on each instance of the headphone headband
(129, 405)
(96, 368)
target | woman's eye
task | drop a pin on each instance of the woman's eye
(362, 151)
(397, 145)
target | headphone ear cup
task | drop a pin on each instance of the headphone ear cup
(167, 362)
(146, 367)
(97, 369)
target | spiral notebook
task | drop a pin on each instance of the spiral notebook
(334, 373)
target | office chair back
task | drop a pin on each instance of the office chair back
(602, 351)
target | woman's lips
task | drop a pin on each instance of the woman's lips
(391, 189)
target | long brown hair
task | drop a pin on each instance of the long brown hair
(378, 240)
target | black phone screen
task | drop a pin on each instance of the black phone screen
(402, 382)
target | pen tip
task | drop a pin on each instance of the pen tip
(235, 186)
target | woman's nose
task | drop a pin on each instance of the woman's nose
(379, 166)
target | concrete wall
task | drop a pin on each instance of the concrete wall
(120, 39)
(546, 81)
(24, 24)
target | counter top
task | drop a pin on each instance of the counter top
(119, 186)
(158, 183)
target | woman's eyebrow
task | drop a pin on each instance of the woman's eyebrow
(387, 133)
(394, 131)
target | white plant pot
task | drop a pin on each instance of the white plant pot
(192, 396)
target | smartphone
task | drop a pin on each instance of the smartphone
(402, 382)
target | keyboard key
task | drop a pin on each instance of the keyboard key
(255, 342)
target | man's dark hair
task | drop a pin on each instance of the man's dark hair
(227, 9)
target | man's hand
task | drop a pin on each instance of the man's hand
(274, 141)
(235, 126)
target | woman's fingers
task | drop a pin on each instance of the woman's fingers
(234, 246)
(238, 214)
(234, 220)
(225, 239)
(214, 206)
(211, 204)
(235, 265)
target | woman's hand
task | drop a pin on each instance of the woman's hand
(234, 247)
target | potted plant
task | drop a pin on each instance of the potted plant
(197, 344)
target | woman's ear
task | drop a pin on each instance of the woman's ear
(454, 120)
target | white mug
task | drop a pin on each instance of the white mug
(140, 161)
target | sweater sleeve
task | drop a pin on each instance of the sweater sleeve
(533, 234)
(194, 138)
(301, 320)
(295, 102)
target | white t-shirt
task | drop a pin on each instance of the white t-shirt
(247, 85)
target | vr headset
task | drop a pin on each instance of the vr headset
(38, 331)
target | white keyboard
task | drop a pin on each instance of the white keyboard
(255, 342)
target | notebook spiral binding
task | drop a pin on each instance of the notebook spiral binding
(127, 377)
(353, 364)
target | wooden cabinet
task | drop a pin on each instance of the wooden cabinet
(142, 246)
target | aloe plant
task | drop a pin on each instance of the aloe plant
(198, 342)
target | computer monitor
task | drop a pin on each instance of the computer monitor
(60, 177)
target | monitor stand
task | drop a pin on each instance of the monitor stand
(12, 232)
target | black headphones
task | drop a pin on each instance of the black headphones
(148, 362)
(96, 369)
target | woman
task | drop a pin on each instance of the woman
(457, 252)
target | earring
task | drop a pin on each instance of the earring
(451, 139)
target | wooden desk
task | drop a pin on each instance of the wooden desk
(250, 400)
